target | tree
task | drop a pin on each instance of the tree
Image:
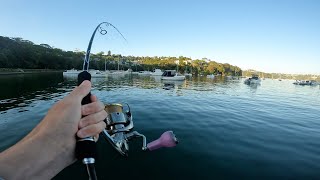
(19, 53)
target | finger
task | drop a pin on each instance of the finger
(92, 119)
(93, 98)
(91, 130)
(91, 108)
(82, 90)
(96, 138)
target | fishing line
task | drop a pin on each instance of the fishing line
(119, 122)
(86, 147)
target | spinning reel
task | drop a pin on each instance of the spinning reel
(119, 131)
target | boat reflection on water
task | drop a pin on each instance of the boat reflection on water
(167, 84)
(156, 79)
(253, 87)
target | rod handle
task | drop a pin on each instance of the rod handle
(86, 147)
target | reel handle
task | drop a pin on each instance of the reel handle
(167, 139)
(86, 149)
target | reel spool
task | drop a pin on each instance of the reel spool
(119, 131)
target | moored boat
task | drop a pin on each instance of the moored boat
(98, 74)
(172, 75)
(210, 76)
(306, 83)
(157, 72)
(253, 80)
(144, 73)
(71, 72)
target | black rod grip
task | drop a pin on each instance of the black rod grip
(85, 148)
(85, 75)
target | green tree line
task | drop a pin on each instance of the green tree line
(24, 54)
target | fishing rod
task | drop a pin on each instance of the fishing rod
(86, 149)
(118, 131)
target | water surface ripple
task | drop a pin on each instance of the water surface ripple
(227, 130)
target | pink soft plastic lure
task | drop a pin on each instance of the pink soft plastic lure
(167, 139)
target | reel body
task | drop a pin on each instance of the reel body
(119, 128)
(119, 131)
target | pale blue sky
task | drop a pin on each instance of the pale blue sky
(266, 35)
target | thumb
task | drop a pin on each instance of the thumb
(82, 90)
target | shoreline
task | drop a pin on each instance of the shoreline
(26, 71)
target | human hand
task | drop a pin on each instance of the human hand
(68, 119)
(50, 146)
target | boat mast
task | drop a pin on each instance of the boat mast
(118, 63)
(105, 65)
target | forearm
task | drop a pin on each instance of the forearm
(33, 158)
(50, 147)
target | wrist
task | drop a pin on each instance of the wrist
(59, 151)
(35, 157)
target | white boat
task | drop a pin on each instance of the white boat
(71, 72)
(129, 71)
(116, 73)
(157, 72)
(98, 74)
(94, 73)
(188, 74)
(210, 76)
(253, 80)
(308, 83)
(232, 78)
(144, 73)
(172, 75)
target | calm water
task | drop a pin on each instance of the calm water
(227, 130)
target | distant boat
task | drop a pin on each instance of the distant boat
(144, 73)
(71, 72)
(188, 74)
(98, 74)
(308, 83)
(280, 79)
(114, 73)
(210, 76)
(233, 78)
(129, 71)
(172, 75)
(157, 72)
(253, 80)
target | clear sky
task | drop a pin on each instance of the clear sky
(266, 35)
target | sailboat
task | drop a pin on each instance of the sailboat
(100, 74)
(187, 74)
(280, 78)
(173, 75)
(118, 72)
